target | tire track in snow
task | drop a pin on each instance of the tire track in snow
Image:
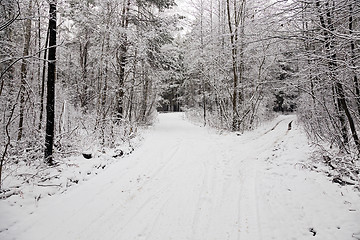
(160, 169)
(202, 201)
(138, 189)
(154, 200)
(147, 188)
(157, 218)
(248, 206)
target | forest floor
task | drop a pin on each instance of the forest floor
(190, 182)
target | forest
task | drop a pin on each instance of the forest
(93, 72)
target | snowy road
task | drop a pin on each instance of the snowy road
(188, 183)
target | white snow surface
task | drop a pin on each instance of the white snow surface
(187, 182)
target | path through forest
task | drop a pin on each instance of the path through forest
(189, 182)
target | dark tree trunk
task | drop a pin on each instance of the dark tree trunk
(145, 95)
(131, 98)
(84, 55)
(344, 106)
(204, 100)
(120, 91)
(233, 41)
(50, 103)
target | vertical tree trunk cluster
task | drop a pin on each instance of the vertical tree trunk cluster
(236, 23)
(331, 54)
(231, 44)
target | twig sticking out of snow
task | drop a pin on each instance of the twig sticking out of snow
(312, 231)
(9, 193)
(289, 125)
(48, 185)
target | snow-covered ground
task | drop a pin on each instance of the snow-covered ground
(190, 182)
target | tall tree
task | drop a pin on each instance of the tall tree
(50, 100)
(236, 23)
(121, 58)
(24, 70)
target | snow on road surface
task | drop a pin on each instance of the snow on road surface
(189, 183)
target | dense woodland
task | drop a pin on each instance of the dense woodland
(97, 69)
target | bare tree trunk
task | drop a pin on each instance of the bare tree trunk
(353, 57)
(39, 45)
(344, 106)
(121, 60)
(204, 100)
(131, 97)
(24, 66)
(8, 138)
(201, 64)
(235, 67)
(332, 63)
(241, 20)
(42, 89)
(103, 82)
(145, 93)
(341, 96)
(50, 103)
(103, 87)
(84, 94)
